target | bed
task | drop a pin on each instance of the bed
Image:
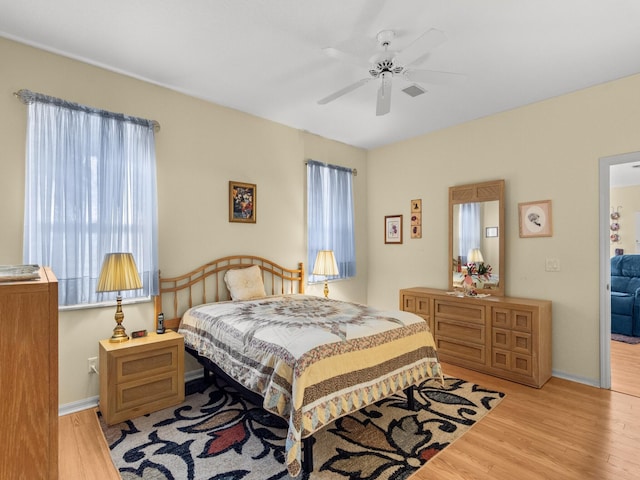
(308, 359)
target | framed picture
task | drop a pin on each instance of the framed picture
(535, 219)
(490, 232)
(393, 229)
(242, 202)
(416, 218)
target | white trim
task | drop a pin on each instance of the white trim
(106, 303)
(78, 406)
(92, 402)
(586, 381)
(605, 264)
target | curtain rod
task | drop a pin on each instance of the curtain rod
(353, 170)
(28, 97)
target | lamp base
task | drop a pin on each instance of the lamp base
(119, 333)
(326, 289)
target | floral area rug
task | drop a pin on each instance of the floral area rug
(218, 435)
(625, 338)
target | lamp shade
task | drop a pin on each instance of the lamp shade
(119, 272)
(325, 264)
(475, 256)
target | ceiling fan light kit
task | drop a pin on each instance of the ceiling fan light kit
(384, 65)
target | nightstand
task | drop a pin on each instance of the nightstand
(141, 375)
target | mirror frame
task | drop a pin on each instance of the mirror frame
(480, 192)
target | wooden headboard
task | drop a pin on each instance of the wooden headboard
(205, 284)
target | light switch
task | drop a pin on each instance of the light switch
(552, 265)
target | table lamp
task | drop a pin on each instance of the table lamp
(475, 256)
(119, 272)
(326, 265)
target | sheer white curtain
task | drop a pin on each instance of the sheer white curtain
(90, 190)
(469, 223)
(330, 219)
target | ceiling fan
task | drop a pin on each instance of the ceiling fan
(389, 63)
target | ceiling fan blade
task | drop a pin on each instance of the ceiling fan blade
(419, 49)
(433, 77)
(346, 57)
(383, 105)
(343, 91)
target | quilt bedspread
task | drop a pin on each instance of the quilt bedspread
(312, 359)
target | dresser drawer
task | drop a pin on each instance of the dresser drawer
(460, 311)
(519, 342)
(146, 363)
(149, 390)
(501, 317)
(460, 350)
(514, 319)
(409, 303)
(501, 338)
(512, 362)
(414, 304)
(522, 320)
(454, 329)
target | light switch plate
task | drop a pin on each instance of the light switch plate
(552, 265)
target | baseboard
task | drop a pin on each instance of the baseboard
(92, 402)
(73, 407)
(574, 378)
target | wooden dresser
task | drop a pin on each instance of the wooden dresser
(502, 336)
(29, 378)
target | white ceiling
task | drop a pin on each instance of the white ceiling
(265, 57)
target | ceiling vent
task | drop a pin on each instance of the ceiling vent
(414, 90)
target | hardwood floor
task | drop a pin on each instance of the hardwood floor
(625, 368)
(564, 430)
(84, 454)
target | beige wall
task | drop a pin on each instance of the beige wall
(548, 150)
(628, 198)
(200, 147)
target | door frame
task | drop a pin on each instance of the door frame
(605, 260)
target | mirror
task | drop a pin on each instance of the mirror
(476, 236)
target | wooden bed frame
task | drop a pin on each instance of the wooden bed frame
(206, 284)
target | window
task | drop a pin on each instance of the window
(90, 190)
(330, 220)
(469, 228)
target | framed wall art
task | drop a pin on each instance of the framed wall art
(535, 219)
(242, 202)
(393, 229)
(490, 232)
(416, 218)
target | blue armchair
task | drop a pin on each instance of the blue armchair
(625, 295)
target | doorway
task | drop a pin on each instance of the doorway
(616, 359)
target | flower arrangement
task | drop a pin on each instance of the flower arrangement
(478, 270)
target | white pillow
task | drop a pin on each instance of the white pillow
(245, 283)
